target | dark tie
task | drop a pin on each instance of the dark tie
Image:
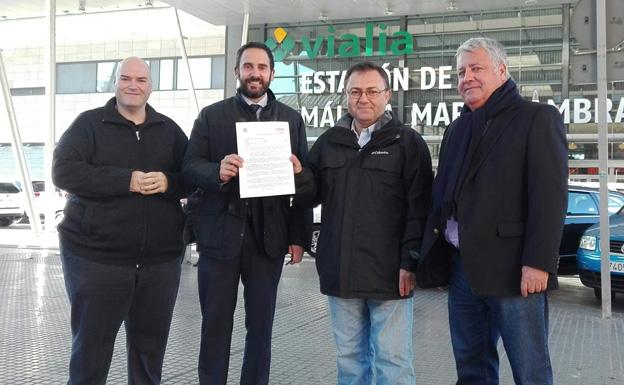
(255, 108)
(256, 211)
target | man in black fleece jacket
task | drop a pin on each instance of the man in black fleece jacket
(121, 238)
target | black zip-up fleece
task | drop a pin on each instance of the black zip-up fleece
(104, 221)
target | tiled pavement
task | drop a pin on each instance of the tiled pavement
(35, 336)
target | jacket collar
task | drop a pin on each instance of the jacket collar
(389, 131)
(113, 116)
(241, 100)
(388, 117)
(504, 96)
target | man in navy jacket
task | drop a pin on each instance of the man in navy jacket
(493, 234)
(121, 238)
(240, 239)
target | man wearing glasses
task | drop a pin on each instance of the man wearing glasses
(373, 177)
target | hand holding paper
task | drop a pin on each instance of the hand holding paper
(229, 167)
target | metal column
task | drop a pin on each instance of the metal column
(565, 53)
(48, 147)
(603, 154)
(186, 61)
(18, 151)
(245, 29)
(235, 34)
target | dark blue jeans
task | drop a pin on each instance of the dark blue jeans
(477, 322)
(104, 296)
(218, 281)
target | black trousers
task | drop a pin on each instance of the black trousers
(218, 292)
(104, 296)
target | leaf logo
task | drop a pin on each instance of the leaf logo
(281, 44)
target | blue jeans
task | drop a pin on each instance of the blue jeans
(477, 322)
(102, 297)
(373, 340)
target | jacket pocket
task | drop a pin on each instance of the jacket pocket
(332, 160)
(75, 218)
(210, 204)
(209, 229)
(85, 224)
(387, 159)
(510, 229)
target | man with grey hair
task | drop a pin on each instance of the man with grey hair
(493, 233)
(121, 238)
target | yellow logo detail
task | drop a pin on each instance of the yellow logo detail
(280, 34)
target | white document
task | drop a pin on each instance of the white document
(265, 149)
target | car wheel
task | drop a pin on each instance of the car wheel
(58, 218)
(316, 232)
(4, 222)
(598, 293)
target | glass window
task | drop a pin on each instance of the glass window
(106, 76)
(284, 82)
(8, 188)
(581, 203)
(200, 68)
(154, 65)
(27, 91)
(75, 78)
(218, 72)
(615, 203)
(165, 78)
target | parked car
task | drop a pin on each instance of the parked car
(11, 203)
(588, 256)
(43, 200)
(582, 212)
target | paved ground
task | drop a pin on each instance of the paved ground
(35, 336)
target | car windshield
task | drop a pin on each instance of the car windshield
(8, 188)
(581, 203)
(616, 202)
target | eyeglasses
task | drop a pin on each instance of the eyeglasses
(371, 93)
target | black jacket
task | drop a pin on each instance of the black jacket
(104, 221)
(375, 201)
(511, 205)
(217, 213)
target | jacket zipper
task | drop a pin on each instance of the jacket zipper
(143, 206)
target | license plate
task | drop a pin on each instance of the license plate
(616, 267)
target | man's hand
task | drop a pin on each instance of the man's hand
(297, 168)
(296, 254)
(407, 282)
(135, 181)
(229, 167)
(533, 281)
(153, 183)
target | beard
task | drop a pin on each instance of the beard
(253, 94)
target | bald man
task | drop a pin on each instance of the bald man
(121, 238)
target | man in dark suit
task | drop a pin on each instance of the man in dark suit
(240, 239)
(493, 233)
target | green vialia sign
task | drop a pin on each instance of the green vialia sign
(347, 45)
